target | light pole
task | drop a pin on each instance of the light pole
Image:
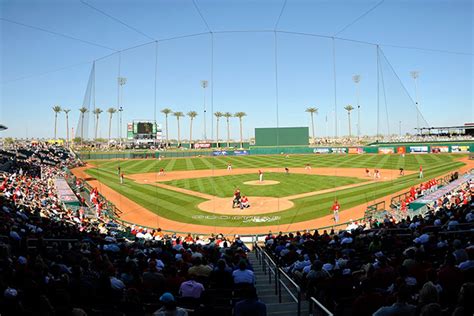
(121, 81)
(400, 128)
(204, 85)
(356, 79)
(415, 74)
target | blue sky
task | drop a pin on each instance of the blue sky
(243, 63)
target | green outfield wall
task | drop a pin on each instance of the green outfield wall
(413, 148)
(282, 136)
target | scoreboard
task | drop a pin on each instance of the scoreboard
(144, 131)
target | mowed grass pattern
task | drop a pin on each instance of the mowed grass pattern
(290, 184)
(182, 207)
(409, 162)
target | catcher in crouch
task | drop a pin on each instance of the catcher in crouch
(237, 198)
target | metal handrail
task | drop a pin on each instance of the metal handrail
(50, 240)
(265, 259)
(313, 301)
(297, 298)
(268, 264)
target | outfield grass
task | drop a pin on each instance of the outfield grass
(290, 184)
(409, 162)
(183, 207)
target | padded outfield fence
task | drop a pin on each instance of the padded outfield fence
(412, 148)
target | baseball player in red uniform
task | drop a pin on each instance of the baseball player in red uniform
(421, 172)
(260, 175)
(335, 209)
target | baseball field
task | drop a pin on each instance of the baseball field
(195, 194)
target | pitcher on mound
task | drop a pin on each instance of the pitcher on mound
(260, 175)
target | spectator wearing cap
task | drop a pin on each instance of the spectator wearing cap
(250, 305)
(169, 307)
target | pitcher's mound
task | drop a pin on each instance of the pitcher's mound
(264, 182)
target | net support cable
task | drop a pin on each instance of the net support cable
(403, 86)
(116, 19)
(359, 17)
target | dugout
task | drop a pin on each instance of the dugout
(282, 136)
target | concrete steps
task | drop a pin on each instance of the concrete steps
(266, 293)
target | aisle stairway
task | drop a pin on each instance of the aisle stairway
(266, 293)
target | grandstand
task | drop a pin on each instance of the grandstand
(466, 130)
(297, 158)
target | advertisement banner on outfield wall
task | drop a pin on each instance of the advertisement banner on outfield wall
(419, 149)
(386, 150)
(321, 150)
(241, 152)
(459, 149)
(202, 145)
(401, 150)
(356, 150)
(219, 153)
(339, 150)
(439, 149)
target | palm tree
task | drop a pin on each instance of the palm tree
(67, 125)
(227, 116)
(312, 111)
(218, 115)
(97, 112)
(192, 115)
(240, 115)
(177, 115)
(56, 110)
(349, 108)
(83, 111)
(111, 112)
(166, 112)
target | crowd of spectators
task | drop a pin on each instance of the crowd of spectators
(53, 261)
(417, 266)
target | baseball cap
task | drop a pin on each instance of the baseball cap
(10, 293)
(167, 298)
(22, 260)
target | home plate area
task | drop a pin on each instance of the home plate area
(258, 205)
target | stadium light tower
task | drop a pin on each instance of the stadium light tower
(121, 81)
(356, 79)
(415, 74)
(204, 85)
